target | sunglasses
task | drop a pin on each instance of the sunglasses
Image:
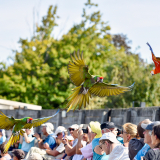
(71, 129)
(100, 146)
(123, 131)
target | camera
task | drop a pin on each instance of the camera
(85, 130)
(39, 135)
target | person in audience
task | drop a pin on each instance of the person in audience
(129, 132)
(111, 146)
(48, 142)
(147, 139)
(85, 133)
(94, 131)
(47, 130)
(2, 136)
(49, 153)
(98, 153)
(72, 128)
(27, 140)
(135, 144)
(4, 156)
(18, 154)
(70, 140)
(60, 133)
(71, 150)
(154, 152)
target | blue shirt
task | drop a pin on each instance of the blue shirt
(27, 146)
(2, 139)
(51, 141)
(120, 139)
(96, 156)
(142, 152)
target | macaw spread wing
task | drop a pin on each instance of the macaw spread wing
(103, 89)
(38, 122)
(6, 122)
(155, 59)
(77, 69)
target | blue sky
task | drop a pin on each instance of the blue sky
(138, 19)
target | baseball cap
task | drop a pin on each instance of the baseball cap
(70, 138)
(49, 127)
(74, 126)
(95, 127)
(107, 125)
(150, 126)
(60, 129)
(19, 153)
(109, 136)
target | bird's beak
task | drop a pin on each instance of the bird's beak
(30, 121)
(101, 80)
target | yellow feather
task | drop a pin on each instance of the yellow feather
(87, 97)
(74, 93)
(80, 102)
(84, 102)
(69, 108)
(76, 102)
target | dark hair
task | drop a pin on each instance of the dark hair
(156, 131)
(65, 133)
(119, 131)
(2, 147)
(140, 130)
(106, 140)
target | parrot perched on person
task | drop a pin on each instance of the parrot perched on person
(156, 61)
(88, 84)
(17, 126)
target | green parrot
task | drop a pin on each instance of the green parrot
(87, 84)
(18, 124)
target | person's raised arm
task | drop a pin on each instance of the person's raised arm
(26, 138)
(79, 144)
(90, 134)
(40, 141)
(69, 150)
(53, 152)
(21, 139)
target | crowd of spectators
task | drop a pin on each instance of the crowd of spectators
(93, 141)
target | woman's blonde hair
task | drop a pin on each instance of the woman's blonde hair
(131, 129)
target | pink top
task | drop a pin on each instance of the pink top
(87, 151)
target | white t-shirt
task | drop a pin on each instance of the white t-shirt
(78, 156)
(60, 148)
(119, 153)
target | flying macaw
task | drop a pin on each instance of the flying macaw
(156, 61)
(18, 124)
(88, 84)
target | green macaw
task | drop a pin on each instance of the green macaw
(18, 124)
(88, 84)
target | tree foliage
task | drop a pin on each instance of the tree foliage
(39, 72)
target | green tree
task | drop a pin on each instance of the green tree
(39, 72)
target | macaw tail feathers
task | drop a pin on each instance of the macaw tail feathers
(150, 47)
(131, 87)
(13, 139)
(78, 98)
